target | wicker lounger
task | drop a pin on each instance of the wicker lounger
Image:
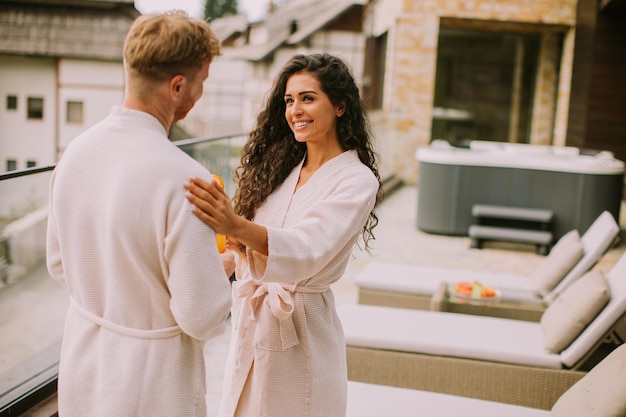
(420, 287)
(374, 400)
(601, 392)
(480, 357)
(491, 381)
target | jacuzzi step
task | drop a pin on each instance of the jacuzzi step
(512, 213)
(542, 238)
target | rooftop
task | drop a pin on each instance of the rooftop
(93, 29)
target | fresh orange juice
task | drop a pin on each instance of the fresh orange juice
(220, 239)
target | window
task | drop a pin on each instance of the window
(75, 112)
(31, 164)
(485, 85)
(11, 164)
(374, 74)
(29, 358)
(35, 108)
(11, 102)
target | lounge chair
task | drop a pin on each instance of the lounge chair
(496, 359)
(600, 393)
(422, 287)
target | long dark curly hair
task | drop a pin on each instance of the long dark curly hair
(272, 152)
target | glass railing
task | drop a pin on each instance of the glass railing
(220, 155)
(33, 305)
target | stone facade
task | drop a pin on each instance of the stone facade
(404, 122)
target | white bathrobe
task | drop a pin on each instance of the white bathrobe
(146, 282)
(287, 354)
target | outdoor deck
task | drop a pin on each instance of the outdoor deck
(399, 240)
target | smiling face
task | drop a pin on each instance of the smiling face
(310, 114)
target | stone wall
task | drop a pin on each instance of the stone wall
(404, 123)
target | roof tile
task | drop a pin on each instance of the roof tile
(90, 31)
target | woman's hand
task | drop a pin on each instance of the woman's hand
(211, 205)
(234, 245)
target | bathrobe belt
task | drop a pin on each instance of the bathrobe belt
(163, 333)
(280, 302)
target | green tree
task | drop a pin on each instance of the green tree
(214, 9)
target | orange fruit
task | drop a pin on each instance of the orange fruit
(221, 242)
(220, 239)
(219, 180)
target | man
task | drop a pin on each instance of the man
(146, 282)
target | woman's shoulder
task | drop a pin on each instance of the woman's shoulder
(349, 171)
(353, 165)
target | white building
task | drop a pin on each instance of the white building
(61, 67)
(254, 53)
(60, 72)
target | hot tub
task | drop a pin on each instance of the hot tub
(577, 187)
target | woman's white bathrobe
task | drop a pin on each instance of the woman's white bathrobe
(146, 282)
(287, 354)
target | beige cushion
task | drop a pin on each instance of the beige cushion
(573, 310)
(600, 393)
(562, 258)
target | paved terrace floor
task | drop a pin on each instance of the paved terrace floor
(399, 240)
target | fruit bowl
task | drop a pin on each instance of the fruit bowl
(474, 291)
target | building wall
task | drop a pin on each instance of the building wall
(258, 76)
(404, 123)
(349, 46)
(542, 122)
(236, 89)
(22, 139)
(97, 84)
(219, 110)
(581, 71)
(600, 109)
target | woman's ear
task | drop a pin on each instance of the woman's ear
(340, 109)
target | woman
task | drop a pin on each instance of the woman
(307, 187)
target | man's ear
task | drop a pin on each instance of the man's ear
(177, 83)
